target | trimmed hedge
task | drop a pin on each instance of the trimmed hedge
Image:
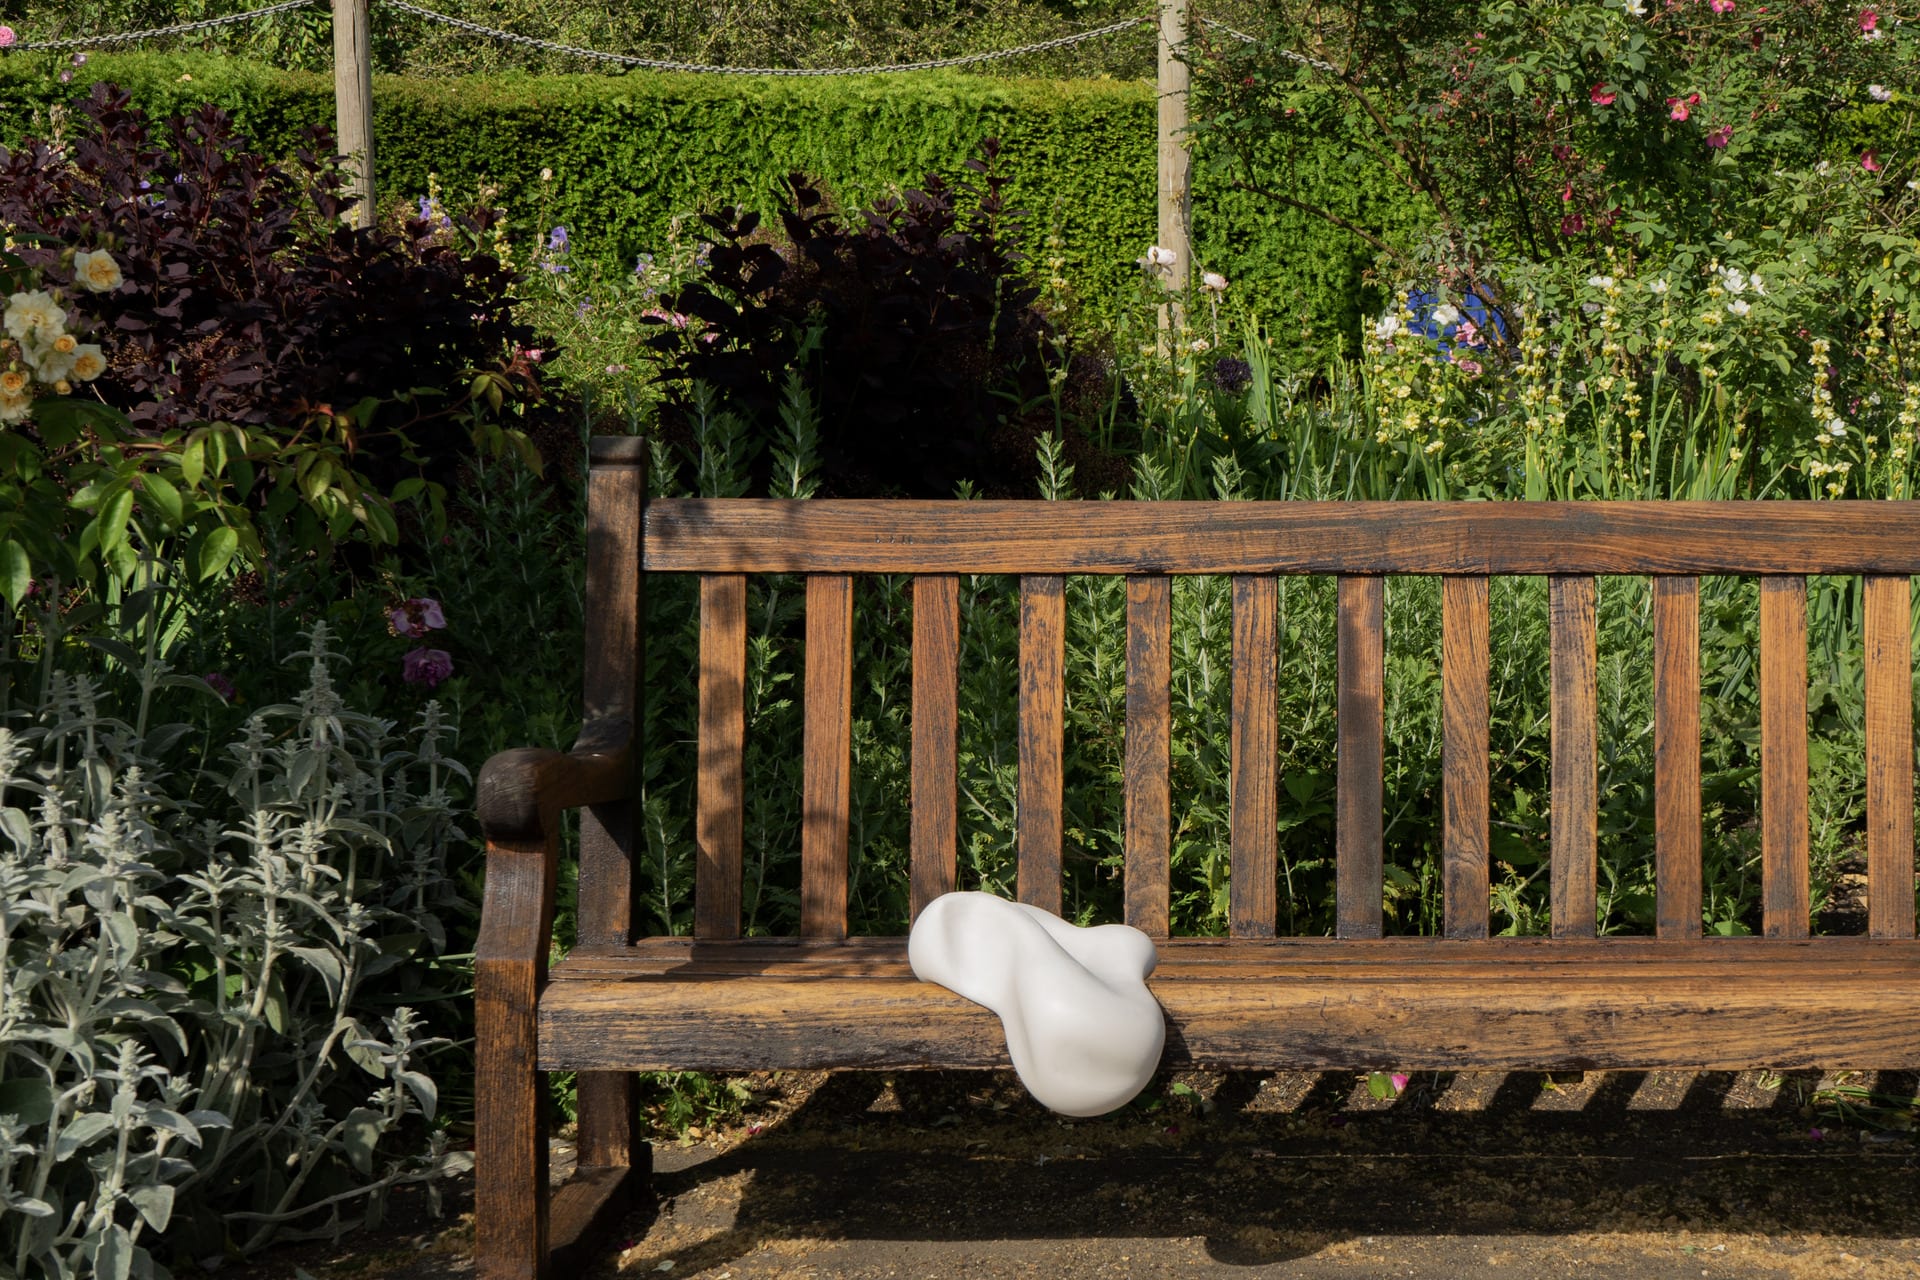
(631, 152)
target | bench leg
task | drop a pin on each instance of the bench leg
(615, 1170)
(510, 1196)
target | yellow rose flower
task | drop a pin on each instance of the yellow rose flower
(89, 362)
(96, 271)
(13, 383)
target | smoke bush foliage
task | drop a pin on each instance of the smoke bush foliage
(208, 982)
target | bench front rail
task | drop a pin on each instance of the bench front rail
(717, 1001)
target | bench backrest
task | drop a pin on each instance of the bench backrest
(1358, 542)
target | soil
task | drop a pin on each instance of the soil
(955, 1174)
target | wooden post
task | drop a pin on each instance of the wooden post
(353, 102)
(1175, 166)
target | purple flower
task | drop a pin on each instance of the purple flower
(79, 59)
(1400, 1079)
(426, 666)
(557, 240)
(221, 685)
(66, 77)
(415, 617)
(1232, 374)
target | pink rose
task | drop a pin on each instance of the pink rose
(1870, 162)
(1719, 138)
(6, 37)
(415, 617)
(426, 666)
(1600, 96)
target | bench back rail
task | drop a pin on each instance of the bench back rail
(1359, 543)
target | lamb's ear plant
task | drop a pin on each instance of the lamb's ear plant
(215, 1000)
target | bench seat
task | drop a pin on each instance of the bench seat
(1308, 1003)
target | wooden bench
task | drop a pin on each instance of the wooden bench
(720, 1002)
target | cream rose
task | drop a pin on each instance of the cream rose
(96, 270)
(15, 408)
(13, 383)
(35, 314)
(89, 362)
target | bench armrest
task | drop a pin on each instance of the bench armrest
(523, 791)
(521, 796)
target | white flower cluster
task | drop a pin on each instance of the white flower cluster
(46, 353)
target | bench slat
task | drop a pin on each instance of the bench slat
(1889, 758)
(615, 659)
(936, 733)
(827, 763)
(1486, 1007)
(1676, 755)
(719, 805)
(1783, 756)
(1042, 724)
(1574, 820)
(1149, 798)
(1464, 755)
(704, 535)
(1254, 838)
(1359, 843)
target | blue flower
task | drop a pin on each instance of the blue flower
(557, 240)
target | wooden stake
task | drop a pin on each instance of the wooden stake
(1175, 165)
(353, 102)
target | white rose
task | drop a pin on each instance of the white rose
(1600, 282)
(49, 363)
(15, 408)
(1739, 307)
(96, 271)
(89, 362)
(1158, 257)
(1213, 282)
(34, 313)
(1386, 327)
(1658, 287)
(1446, 314)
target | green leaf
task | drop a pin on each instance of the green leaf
(360, 1134)
(1379, 1085)
(155, 1204)
(1517, 83)
(159, 493)
(216, 551)
(28, 1101)
(113, 517)
(193, 462)
(113, 1255)
(16, 573)
(83, 1130)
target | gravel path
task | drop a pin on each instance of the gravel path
(959, 1175)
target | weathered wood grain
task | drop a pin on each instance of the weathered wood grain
(1254, 783)
(1148, 788)
(1484, 1009)
(1465, 743)
(1574, 821)
(608, 1103)
(1676, 756)
(1783, 757)
(719, 821)
(1043, 631)
(1889, 664)
(510, 1139)
(1360, 757)
(1366, 538)
(935, 799)
(826, 768)
(1265, 959)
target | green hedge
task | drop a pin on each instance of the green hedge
(631, 152)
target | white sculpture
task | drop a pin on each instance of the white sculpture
(1084, 1032)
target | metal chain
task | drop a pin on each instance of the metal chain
(154, 33)
(1301, 58)
(662, 64)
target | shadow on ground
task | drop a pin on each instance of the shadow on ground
(948, 1174)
